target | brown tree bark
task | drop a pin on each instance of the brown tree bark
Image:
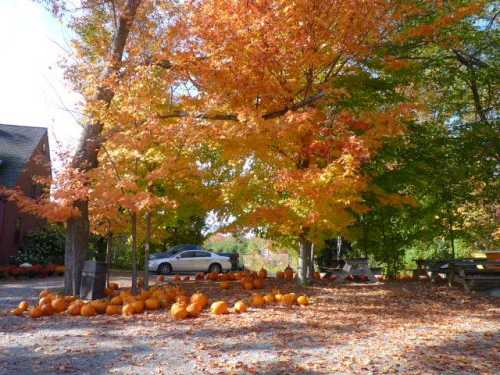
(77, 229)
(305, 269)
(146, 251)
(134, 253)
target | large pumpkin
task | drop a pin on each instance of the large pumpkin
(219, 307)
(114, 286)
(303, 300)
(99, 306)
(128, 310)
(258, 283)
(257, 300)
(88, 310)
(200, 299)
(269, 298)
(138, 306)
(182, 299)
(116, 301)
(289, 298)
(152, 304)
(47, 309)
(36, 312)
(59, 305)
(74, 308)
(47, 300)
(113, 309)
(240, 307)
(194, 309)
(44, 293)
(178, 311)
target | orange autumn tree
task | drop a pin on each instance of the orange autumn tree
(273, 92)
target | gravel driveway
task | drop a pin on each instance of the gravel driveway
(401, 328)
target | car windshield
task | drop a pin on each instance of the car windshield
(174, 250)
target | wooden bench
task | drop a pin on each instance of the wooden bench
(475, 275)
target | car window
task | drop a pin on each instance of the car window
(203, 254)
(188, 254)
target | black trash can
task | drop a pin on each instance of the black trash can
(93, 280)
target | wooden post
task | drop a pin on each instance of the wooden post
(134, 252)
(146, 251)
(109, 251)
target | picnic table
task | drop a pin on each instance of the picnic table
(351, 267)
(475, 275)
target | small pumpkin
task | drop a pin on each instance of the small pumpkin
(36, 312)
(303, 300)
(199, 276)
(152, 303)
(88, 310)
(44, 293)
(145, 294)
(224, 285)
(316, 276)
(200, 299)
(247, 285)
(257, 300)
(59, 305)
(269, 298)
(45, 301)
(182, 299)
(99, 306)
(219, 307)
(74, 308)
(289, 299)
(17, 311)
(160, 278)
(23, 305)
(108, 292)
(70, 299)
(47, 309)
(116, 301)
(258, 283)
(194, 309)
(240, 307)
(278, 297)
(128, 310)
(178, 311)
(113, 309)
(138, 306)
(114, 286)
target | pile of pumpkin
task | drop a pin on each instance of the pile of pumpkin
(157, 297)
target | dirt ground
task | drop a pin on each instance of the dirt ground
(393, 328)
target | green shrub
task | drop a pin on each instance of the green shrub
(45, 246)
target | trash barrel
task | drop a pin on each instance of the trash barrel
(93, 280)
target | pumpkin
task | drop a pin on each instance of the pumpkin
(288, 273)
(269, 298)
(152, 304)
(316, 276)
(45, 301)
(176, 278)
(225, 285)
(262, 273)
(128, 310)
(116, 300)
(178, 311)
(59, 305)
(280, 275)
(87, 310)
(145, 294)
(99, 306)
(258, 283)
(199, 276)
(113, 286)
(248, 285)
(36, 312)
(113, 309)
(240, 307)
(257, 300)
(289, 298)
(17, 311)
(182, 299)
(219, 307)
(160, 278)
(138, 306)
(23, 305)
(194, 309)
(212, 276)
(69, 299)
(200, 299)
(47, 309)
(74, 308)
(108, 292)
(278, 297)
(44, 293)
(303, 300)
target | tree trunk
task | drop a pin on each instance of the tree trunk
(134, 253)
(109, 252)
(77, 229)
(146, 251)
(304, 260)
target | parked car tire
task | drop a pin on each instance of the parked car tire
(164, 268)
(215, 267)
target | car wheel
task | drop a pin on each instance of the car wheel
(215, 268)
(164, 269)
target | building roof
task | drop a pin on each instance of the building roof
(17, 144)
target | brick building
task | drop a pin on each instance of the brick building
(24, 153)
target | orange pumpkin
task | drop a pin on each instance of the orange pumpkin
(225, 285)
(59, 305)
(240, 307)
(258, 283)
(178, 311)
(138, 306)
(194, 309)
(152, 303)
(200, 299)
(17, 311)
(99, 306)
(248, 285)
(219, 307)
(74, 308)
(269, 298)
(69, 299)
(303, 300)
(116, 301)
(257, 300)
(289, 298)
(44, 293)
(176, 278)
(36, 312)
(316, 276)
(23, 305)
(45, 301)
(128, 310)
(108, 292)
(161, 278)
(145, 294)
(88, 310)
(114, 286)
(47, 309)
(113, 309)
(199, 276)
(278, 297)
(182, 299)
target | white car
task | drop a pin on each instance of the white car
(189, 261)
